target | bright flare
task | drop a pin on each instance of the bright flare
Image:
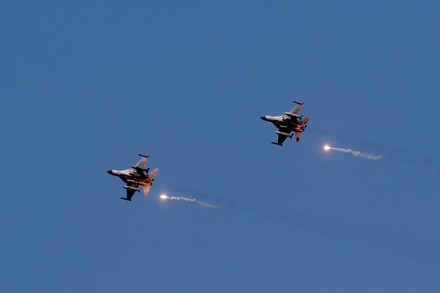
(186, 199)
(353, 152)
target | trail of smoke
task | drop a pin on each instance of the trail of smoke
(191, 200)
(355, 153)
(394, 153)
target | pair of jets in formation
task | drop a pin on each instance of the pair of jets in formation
(138, 175)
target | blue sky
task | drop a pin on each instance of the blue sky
(86, 86)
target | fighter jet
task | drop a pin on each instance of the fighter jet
(290, 121)
(135, 176)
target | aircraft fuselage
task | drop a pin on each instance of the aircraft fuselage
(130, 175)
(285, 121)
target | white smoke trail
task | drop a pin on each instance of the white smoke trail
(191, 200)
(353, 152)
(391, 152)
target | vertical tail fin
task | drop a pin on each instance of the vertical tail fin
(146, 189)
(307, 119)
(153, 173)
(148, 186)
(299, 133)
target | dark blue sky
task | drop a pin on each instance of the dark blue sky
(86, 85)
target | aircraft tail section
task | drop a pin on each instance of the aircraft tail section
(146, 190)
(307, 119)
(299, 133)
(153, 173)
(148, 186)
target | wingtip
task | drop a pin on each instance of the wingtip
(275, 143)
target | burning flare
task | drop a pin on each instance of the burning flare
(191, 200)
(353, 152)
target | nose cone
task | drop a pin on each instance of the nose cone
(110, 172)
(263, 118)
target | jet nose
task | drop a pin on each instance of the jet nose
(263, 117)
(110, 172)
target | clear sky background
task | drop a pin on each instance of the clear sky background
(87, 85)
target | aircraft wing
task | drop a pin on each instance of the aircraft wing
(142, 162)
(131, 188)
(281, 139)
(130, 193)
(296, 109)
(140, 166)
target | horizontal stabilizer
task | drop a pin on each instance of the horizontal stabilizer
(273, 142)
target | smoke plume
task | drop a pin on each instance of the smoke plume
(186, 199)
(354, 153)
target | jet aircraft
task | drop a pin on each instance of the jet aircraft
(290, 121)
(135, 176)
